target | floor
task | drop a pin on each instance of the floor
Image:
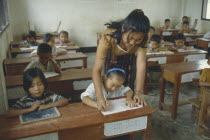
(163, 127)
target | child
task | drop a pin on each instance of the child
(185, 28)
(45, 62)
(167, 25)
(112, 87)
(38, 97)
(154, 45)
(30, 40)
(64, 39)
(205, 77)
(185, 18)
(151, 32)
(50, 39)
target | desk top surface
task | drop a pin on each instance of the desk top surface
(73, 116)
(23, 60)
(67, 75)
(186, 67)
(204, 39)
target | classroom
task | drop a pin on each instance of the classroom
(105, 69)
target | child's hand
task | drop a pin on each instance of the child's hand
(108, 105)
(139, 98)
(42, 107)
(130, 103)
(35, 105)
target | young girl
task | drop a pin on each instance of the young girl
(50, 39)
(30, 40)
(64, 39)
(112, 87)
(38, 98)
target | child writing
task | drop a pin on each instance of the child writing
(50, 39)
(155, 44)
(112, 87)
(45, 60)
(30, 40)
(205, 77)
(38, 97)
(64, 39)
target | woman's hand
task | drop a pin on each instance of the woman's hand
(139, 98)
(130, 103)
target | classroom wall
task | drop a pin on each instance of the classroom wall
(5, 39)
(193, 10)
(84, 18)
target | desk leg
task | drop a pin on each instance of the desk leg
(84, 62)
(162, 92)
(148, 130)
(175, 96)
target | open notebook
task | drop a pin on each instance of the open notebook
(118, 105)
(29, 48)
(50, 74)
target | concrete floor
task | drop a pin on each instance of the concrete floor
(163, 127)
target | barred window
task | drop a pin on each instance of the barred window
(3, 15)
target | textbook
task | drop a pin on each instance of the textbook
(118, 105)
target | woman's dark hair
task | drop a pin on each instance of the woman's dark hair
(136, 21)
(64, 32)
(31, 34)
(29, 76)
(44, 48)
(151, 27)
(156, 38)
(167, 20)
(179, 36)
(47, 37)
(115, 70)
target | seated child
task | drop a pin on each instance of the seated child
(155, 44)
(167, 25)
(38, 97)
(45, 60)
(151, 32)
(64, 39)
(112, 87)
(50, 39)
(30, 40)
(205, 77)
(185, 28)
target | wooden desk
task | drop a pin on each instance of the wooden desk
(15, 51)
(40, 35)
(16, 66)
(172, 31)
(203, 42)
(78, 122)
(64, 83)
(173, 73)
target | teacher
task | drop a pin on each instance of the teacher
(123, 43)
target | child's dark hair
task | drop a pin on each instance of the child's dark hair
(47, 37)
(185, 17)
(179, 36)
(186, 22)
(115, 70)
(156, 38)
(64, 32)
(136, 21)
(151, 27)
(31, 34)
(44, 48)
(166, 20)
(29, 75)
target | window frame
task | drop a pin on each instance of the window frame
(203, 10)
(5, 17)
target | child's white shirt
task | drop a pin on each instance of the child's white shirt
(91, 93)
(207, 35)
(38, 64)
(54, 50)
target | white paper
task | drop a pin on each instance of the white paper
(50, 74)
(29, 48)
(61, 46)
(166, 33)
(190, 50)
(189, 76)
(196, 57)
(125, 126)
(161, 60)
(118, 105)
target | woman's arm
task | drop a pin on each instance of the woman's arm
(88, 101)
(58, 103)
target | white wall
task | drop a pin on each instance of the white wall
(192, 8)
(84, 18)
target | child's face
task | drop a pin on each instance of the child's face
(154, 44)
(184, 19)
(185, 26)
(31, 40)
(168, 23)
(37, 88)
(63, 38)
(131, 39)
(44, 58)
(179, 43)
(51, 42)
(151, 32)
(113, 83)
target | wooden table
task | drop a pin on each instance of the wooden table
(203, 42)
(173, 73)
(64, 83)
(16, 66)
(78, 122)
(15, 51)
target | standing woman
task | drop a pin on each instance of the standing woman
(123, 43)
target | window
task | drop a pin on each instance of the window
(3, 15)
(205, 15)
